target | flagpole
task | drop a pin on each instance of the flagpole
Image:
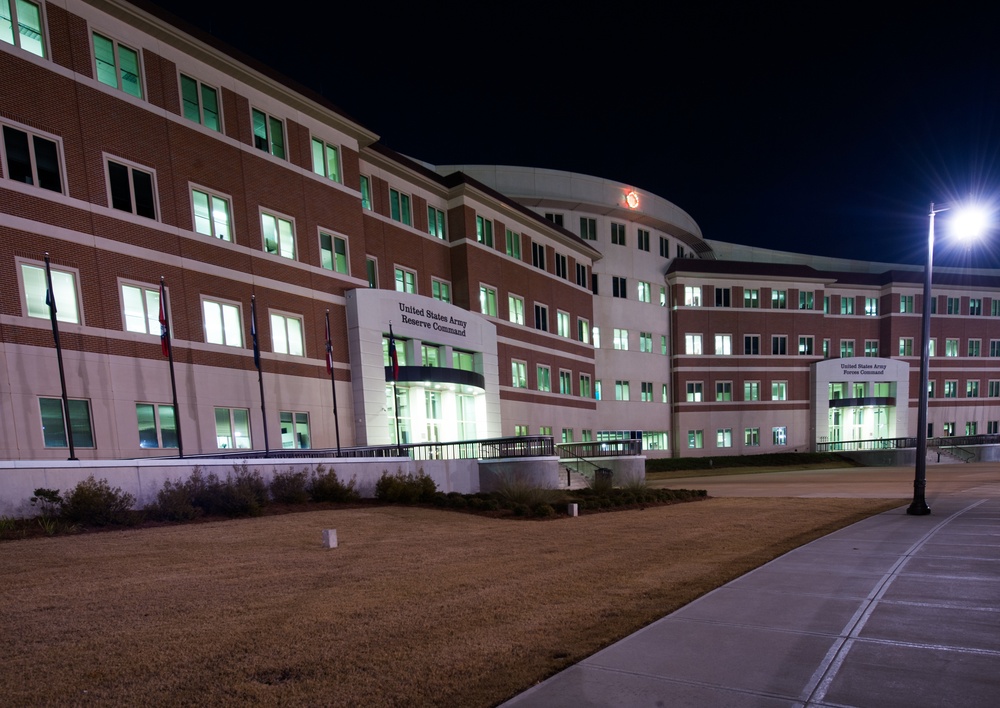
(169, 351)
(394, 365)
(333, 380)
(260, 373)
(50, 300)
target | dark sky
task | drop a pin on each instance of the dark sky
(822, 128)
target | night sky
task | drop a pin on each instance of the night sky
(816, 127)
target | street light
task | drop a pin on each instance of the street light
(968, 223)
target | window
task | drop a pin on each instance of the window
(971, 427)
(435, 222)
(846, 305)
(692, 344)
(826, 348)
(399, 207)
(567, 435)
(663, 394)
(54, 426)
(581, 275)
(543, 377)
(751, 390)
(562, 267)
(294, 430)
(401, 347)
(806, 300)
(440, 290)
(583, 330)
(541, 317)
(951, 347)
(518, 374)
(871, 306)
(565, 383)
(117, 65)
(694, 392)
(464, 361)
(642, 240)
(26, 16)
(562, 323)
(515, 309)
(620, 340)
(723, 391)
(826, 304)
(279, 235)
(131, 189)
(621, 391)
(751, 344)
(333, 253)
(954, 305)
(993, 389)
(723, 344)
(31, 159)
(680, 251)
(995, 347)
(520, 430)
(975, 347)
(751, 298)
(644, 291)
(211, 215)
(588, 228)
(141, 307)
(995, 307)
(538, 256)
(371, 270)
(647, 392)
(778, 298)
(951, 389)
(934, 302)
(906, 346)
(199, 102)
(696, 439)
(846, 347)
(975, 306)
(556, 219)
(931, 388)
(664, 247)
(157, 424)
(618, 286)
(692, 295)
(932, 346)
(906, 303)
(724, 437)
(484, 231)
(232, 428)
(806, 346)
(268, 133)
(751, 437)
(779, 344)
(779, 391)
(663, 296)
(593, 283)
(585, 390)
(597, 337)
(617, 234)
(646, 342)
(430, 355)
(972, 388)
(992, 427)
(488, 300)
(406, 281)
(326, 159)
(779, 436)
(663, 344)
(223, 323)
(286, 335)
(366, 193)
(514, 245)
(64, 291)
(948, 429)
(871, 347)
(723, 297)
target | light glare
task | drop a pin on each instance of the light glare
(969, 223)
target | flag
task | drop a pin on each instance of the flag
(253, 332)
(164, 329)
(392, 355)
(329, 346)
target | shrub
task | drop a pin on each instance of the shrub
(290, 487)
(174, 502)
(48, 501)
(95, 503)
(603, 482)
(513, 489)
(324, 486)
(244, 493)
(405, 488)
(543, 510)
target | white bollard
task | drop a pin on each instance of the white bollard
(573, 509)
(330, 538)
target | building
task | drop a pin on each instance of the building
(521, 300)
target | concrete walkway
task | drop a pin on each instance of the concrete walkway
(895, 610)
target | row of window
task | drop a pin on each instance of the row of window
(620, 287)
(544, 382)
(695, 391)
(488, 299)
(724, 437)
(156, 424)
(693, 345)
(588, 232)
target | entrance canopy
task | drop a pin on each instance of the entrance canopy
(859, 398)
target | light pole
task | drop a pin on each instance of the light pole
(971, 223)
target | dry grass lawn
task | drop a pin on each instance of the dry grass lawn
(416, 606)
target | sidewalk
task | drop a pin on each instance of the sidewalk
(895, 610)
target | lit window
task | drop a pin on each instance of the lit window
(232, 428)
(846, 347)
(696, 439)
(871, 306)
(515, 309)
(435, 222)
(751, 298)
(63, 288)
(157, 424)
(223, 324)
(597, 337)
(972, 388)
(26, 16)
(268, 133)
(31, 159)
(366, 193)
(294, 430)
(724, 437)
(951, 347)
(211, 215)
(620, 339)
(846, 305)
(440, 290)
(694, 392)
(751, 437)
(646, 342)
(692, 344)
(906, 346)
(778, 298)
(976, 306)
(779, 436)
(199, 102)
(621, 391)
(131, 189)
(543, 377)
(286, 335)
(562, 324)
(751, 390)
(585, 390)
(519, 374)
(399, 207)
(326, 159)
(723, 391)
(647, 392)
(513, 244)
(333, 253)
(566, 383)
(779, 391)
(54, 425)
(954, 305)
(406, 281)
(484, 231)
(645, 291)
(141, 307)
(279, 235)
(951, 389)
(430, 355)
(906, 303)
(871, 347)
(488, 300)
(723, 344)
(117, 65)
(583, 330)
(692, 295)
(806, 346)
(805, 300)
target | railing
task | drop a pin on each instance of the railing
(902, 443)
(609, 448)
(572, 461)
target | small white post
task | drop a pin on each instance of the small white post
(330, 538)
(573, 509)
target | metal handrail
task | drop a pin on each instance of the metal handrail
(908, 442)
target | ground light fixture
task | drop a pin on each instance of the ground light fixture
(968, 223)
